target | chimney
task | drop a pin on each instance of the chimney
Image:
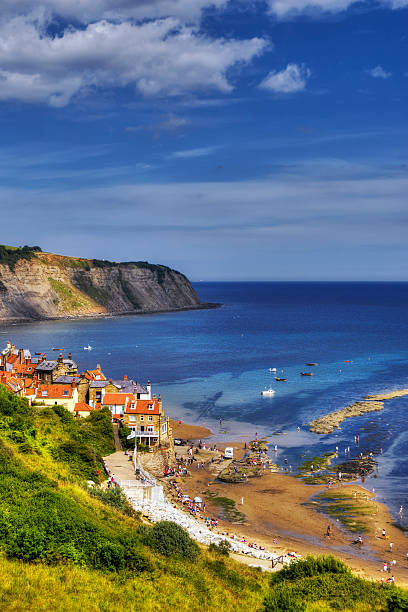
(21, 355)
(69, 356)
(60, 358)
(125, 377)
(149, 389)
(73, 384)
(110, 380)
(98, 367)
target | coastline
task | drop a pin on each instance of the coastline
(283, 515)
(106, 315)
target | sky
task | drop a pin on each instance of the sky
(231, 140)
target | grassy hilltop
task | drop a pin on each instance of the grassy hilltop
(67, 546)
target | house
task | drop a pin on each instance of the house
(82, 409)
(147, 419)
(99, 388)
(48, 370)
(63, 395)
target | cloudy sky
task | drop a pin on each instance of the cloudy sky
(230, 139)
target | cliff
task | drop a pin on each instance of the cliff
(37, 285)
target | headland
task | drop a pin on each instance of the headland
(35, 285)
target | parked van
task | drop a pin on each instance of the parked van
(229, 452)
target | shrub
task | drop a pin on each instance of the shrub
(170, 539)
(397, 601)
(115, 498)
(223, 548)
(311, 566)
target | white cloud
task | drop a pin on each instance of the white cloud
(290, 80)
(157, 58)
(87, 11)
(200, 152)
(284, 8)
(379, 73)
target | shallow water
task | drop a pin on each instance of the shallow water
(212, 364)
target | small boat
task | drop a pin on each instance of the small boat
(88, 348)
(39, 353)
(280, 379)
(56, 349)
(311, 364)
(268, 392)
(272, 369)
(306, 373)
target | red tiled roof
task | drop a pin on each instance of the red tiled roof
(95, 375)
(142, 407)
(83, 407)
(118, 399)
(55, 391)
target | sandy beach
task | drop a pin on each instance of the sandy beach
(280, 515)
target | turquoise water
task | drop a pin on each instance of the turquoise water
(212, 364)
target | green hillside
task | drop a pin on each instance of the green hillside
(67, 546)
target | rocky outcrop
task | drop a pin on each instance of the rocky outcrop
(48, 286)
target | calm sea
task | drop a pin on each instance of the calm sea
(212, 365)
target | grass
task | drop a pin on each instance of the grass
(10, 255)
(69, 298)
(64, 546)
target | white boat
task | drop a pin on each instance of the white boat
(88, 348)
(268, 392)
(272, 369)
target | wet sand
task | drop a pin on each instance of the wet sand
(280, 517)
(189, 432)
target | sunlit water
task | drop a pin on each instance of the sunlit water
(212, 365)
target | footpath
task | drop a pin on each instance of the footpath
(158, 508)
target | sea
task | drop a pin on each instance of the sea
(210, 366)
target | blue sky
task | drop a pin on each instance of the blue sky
(232, 140)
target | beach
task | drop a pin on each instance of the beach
(282, 515)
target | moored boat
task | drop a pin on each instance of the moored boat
(268, 392)
(306, 373)
(311, 364)
(280, 379)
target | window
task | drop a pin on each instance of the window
(151, 406)
(65, 393)
(142, 417)
(150, 429)
(44, 393)
(132, 405)
(132, 418)
(150, 418)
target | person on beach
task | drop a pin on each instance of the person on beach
(328, 531)
(390, 546)
(383, 533)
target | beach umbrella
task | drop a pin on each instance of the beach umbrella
(198, 500)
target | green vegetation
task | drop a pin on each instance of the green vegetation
(11, 255)
(65, 545)
(84, 284)
(324, 584)
(223, 548)
(172, 540)
(69, 297)
(228, 508)
(349, 508)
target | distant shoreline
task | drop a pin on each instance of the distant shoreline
(106, 315)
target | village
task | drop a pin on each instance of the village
(58, 382)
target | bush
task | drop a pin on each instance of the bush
(397, 601)
(170, 539)
(311, 566)
(115, 498)
(223, 548)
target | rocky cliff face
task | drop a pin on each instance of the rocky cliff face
(53, 286)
